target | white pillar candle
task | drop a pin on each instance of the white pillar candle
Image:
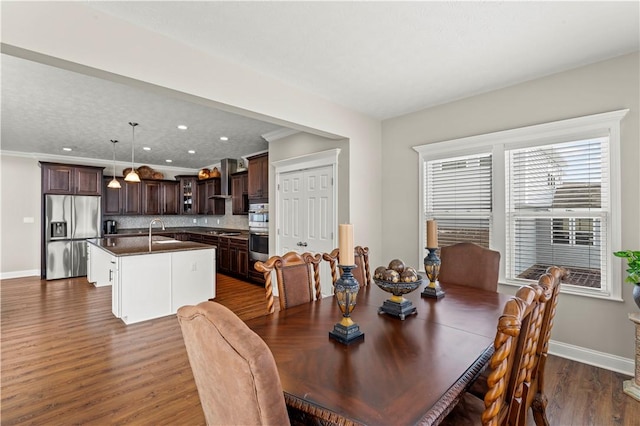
(432, 234)
(345, 244)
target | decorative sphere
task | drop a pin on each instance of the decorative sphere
(391, 276)
(379, 272)
(409, 276)
(397, 265)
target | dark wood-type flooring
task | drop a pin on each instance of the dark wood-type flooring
(66, 360)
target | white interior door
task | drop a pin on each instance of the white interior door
(307, 215)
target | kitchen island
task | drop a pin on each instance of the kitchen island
(151, 281)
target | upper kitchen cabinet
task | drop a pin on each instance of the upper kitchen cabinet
(68, 179)
(160, 197)
(207, 189)
(258, 181)
(188, 194)
(123, 201)
(240, 193)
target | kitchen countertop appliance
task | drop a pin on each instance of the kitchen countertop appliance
(110, 227)
(69, 221)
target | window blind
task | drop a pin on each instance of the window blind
(557, 208)
(459, 197)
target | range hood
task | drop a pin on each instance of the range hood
(227, 166)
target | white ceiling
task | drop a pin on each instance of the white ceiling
(383, 59)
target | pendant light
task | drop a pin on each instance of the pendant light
(132, 176)
(114, 182)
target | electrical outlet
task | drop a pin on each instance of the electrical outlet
(205, 220)
(218, 221)
(194, 266)
(195, 220)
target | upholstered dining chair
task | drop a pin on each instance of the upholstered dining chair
(361, 272)
(503, 400)
(471, 265)
(297, 275)
(234, 370)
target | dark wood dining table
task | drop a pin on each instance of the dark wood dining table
(404, 372)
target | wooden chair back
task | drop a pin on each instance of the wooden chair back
(361, 272)
(297, 275)
(502, 403)
(471, 265)
(234, 369)
(533, 386)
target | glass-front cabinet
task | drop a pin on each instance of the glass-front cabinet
(188, 194)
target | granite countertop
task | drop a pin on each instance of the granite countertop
(132, 246)
(203, 230)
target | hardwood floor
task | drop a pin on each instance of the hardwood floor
(67, 360)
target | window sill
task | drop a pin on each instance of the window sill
(569, 289)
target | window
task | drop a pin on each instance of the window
(541, 195)
(460, 198)
(554, 209)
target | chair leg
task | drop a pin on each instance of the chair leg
(539, 408)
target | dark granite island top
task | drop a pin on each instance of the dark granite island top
(132, 246)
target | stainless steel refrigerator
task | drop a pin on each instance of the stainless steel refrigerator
(69, 221)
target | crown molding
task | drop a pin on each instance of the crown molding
(278, 134)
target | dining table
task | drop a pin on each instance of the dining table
(403, 372)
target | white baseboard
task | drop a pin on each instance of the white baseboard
(19, 274)
(591, 357)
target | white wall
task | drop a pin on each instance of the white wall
(589, 323)
(76, 37)
(20, 241)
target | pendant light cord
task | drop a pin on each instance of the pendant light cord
(133, 140)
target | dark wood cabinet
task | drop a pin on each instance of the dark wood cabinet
(233, 257)
(68, 179)
(132, 198)
(239, 257)
(207, 205)
(112, 198)
(258, 179)
(123, 201)
(224, 264)
(240, 193)
(159, 197)
(188, 194)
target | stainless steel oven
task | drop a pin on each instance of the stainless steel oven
(258, 245)
(258, 232)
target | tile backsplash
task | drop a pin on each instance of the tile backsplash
(172, 221)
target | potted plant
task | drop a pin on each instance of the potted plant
(633, 271)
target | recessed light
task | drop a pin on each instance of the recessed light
(182, 127)
(67, 149)
(146, 148)
(169, 161)
(191, 151)
(224, 138)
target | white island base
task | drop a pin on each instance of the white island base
(153, 285)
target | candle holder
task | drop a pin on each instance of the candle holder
(346, 291)
(432, 268)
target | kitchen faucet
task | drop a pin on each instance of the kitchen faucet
(150, 225)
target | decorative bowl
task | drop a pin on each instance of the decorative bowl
(399, 288)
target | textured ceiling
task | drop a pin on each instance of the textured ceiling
(383, 59)
(45, 109)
